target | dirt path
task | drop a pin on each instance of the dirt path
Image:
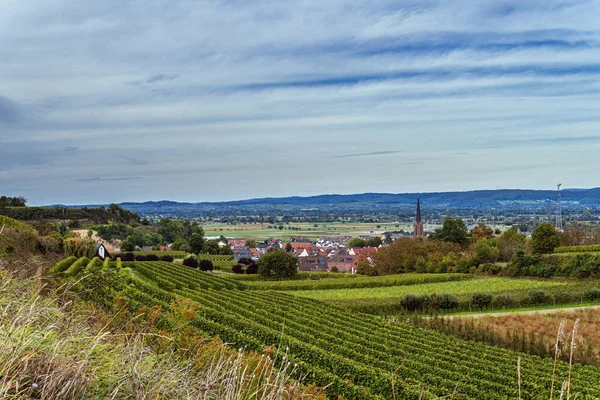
(540, 311)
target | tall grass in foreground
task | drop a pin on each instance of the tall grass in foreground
(49, 351)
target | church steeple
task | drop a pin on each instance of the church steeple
(418, 229)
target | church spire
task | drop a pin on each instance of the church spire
(418, 229)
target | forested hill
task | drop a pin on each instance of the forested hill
(504, 199)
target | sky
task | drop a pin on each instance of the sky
(110, 101)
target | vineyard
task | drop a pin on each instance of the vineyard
(502, 292)
(353, 355)
(356, 281)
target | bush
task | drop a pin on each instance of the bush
(140, 257)
(447, 301)
(252, 268)
(538, 297)
(505, 300)
(592, 294)
(411, 302)
(206, 265)
(167, 258)
(127, 257)
(481, 300)
(190, 262)
(152, 257)
(238, 268)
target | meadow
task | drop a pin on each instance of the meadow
(352, 355)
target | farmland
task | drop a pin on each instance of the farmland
(353, 355)
(503, 292)
(346, 281)
(310, 230)
(461, 287)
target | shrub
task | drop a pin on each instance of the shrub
(167, 258)
(538, 296)
(140, 257)
(245, 261)
(238, 268)
(190, 262)
(447, 301)
(592, 294)
(411, 302)
(127, 257)
(152, 257)
(481, 300)
(505, 300)
(206, 265)
(334, 269)
(252, 268)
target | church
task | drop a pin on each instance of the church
(418, 230)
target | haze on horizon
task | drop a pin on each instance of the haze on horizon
(207, 101)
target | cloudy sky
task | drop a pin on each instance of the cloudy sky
(117, 100)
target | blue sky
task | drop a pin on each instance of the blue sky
(217, 100)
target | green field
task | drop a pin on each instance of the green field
(353, 355)
(261, 231)
(356, 281)
(491, 285)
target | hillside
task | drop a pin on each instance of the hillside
(504, 199)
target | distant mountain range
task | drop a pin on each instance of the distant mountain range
(502, 199)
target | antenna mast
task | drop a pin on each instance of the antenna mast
(558, 210)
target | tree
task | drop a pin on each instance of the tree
(191, 262)
(211, 247)
(289, 248)
(356, 242)
(485, 252)
(196, 243)
(127, 244)
(251, 243)
(374, 242)
(453, 230)
(544, 239)
(508, 243)
(278, 265)
(481, 231)
(206, 265)
(180, 245)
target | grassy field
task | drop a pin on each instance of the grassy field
(309, 230)
(490, 285)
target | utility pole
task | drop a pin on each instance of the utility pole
(558, 210)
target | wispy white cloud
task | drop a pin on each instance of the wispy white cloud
(239, 99)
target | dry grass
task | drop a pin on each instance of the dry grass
(545, 327)
(49, 351)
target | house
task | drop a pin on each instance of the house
(357, 251)
(299, 239)
(343, 261)
(313, 263)
(237, 242)
(241, 252)
(299, 247)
